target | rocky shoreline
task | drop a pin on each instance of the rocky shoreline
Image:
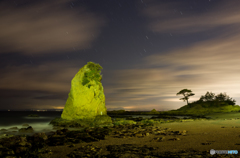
(39, 144)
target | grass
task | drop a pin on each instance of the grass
(203, 109)
(226, 115)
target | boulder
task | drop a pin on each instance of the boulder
(86, 99)
(102, 120)
(26, 130)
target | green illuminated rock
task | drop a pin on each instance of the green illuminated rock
(86, 99)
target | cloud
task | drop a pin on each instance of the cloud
(209, 65)
(49, 76)
(42, 86)
(175, 18)
(46, 27)
(142, 88)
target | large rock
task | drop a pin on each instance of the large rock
(86, 99)
(102, 121)
(26, 130)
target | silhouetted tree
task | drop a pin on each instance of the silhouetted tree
(217, 100)
(186, 93)
(209, 96)
(223, 97)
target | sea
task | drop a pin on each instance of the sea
(11, 119)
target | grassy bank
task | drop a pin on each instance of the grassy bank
(199, 110)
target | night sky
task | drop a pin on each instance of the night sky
(149, 50)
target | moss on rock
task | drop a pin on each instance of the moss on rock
(102, 120)
(86, 99)
(123, 122)
(99, 121)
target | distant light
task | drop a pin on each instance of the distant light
(8, 110)
(41, 110)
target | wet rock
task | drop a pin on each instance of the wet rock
(71, 145)
(174, 139)
(138, 135)
(32, 146)
(13, 128)
(24, 146)
(86, 151)
(59, 122)
(5, 136)
(37, 144)
(159, 139)
(6, 151)
(41, 135)
(102, 121)
(179, 132)
(26, 130)
(3, 130)
(100, 133)
(129, 150)
(65, 137)
(135, 131)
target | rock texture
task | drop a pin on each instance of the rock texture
(102, 121)
(86, 99)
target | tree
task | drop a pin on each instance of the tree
(216, 100)
(186, 93)
(209, 96)
(223, 97)
(231, 101)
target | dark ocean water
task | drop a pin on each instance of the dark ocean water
(9, 119)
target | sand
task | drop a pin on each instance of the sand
(217, 134)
